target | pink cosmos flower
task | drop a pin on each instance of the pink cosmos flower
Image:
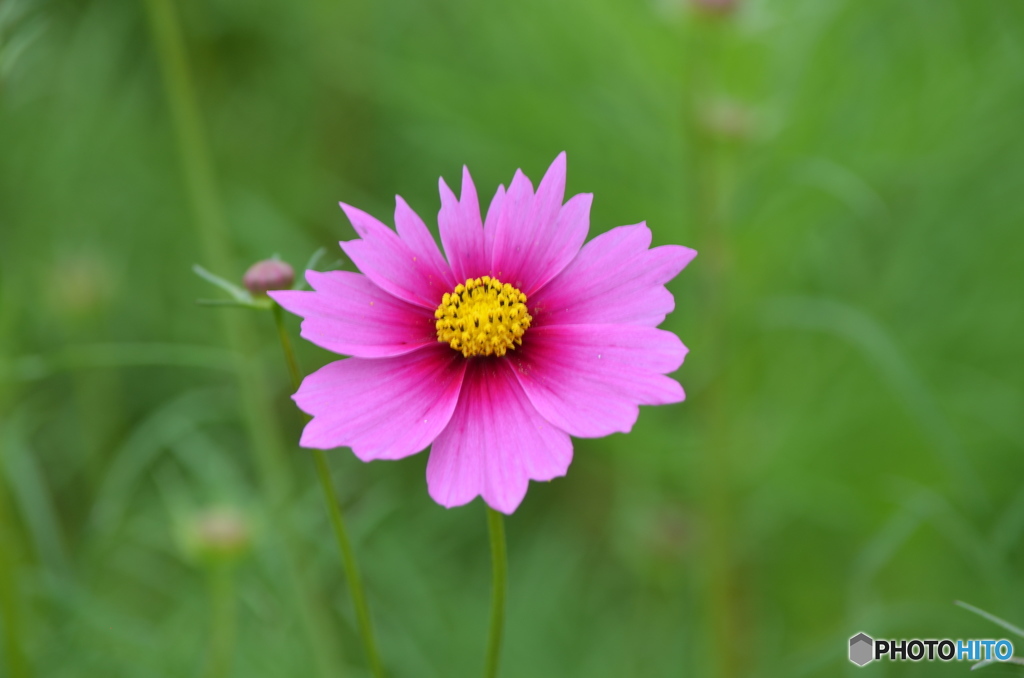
(523, 337)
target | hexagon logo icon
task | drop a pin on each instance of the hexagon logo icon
(861, 646)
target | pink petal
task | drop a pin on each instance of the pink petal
(383, 408)
(414, 232)
(588, 379)
(494, 211)
(392, 264)
(614, 279)
(535, 236)
(495, 443)
(350, 315)
(462, 234)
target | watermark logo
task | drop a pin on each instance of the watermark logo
(865, 649)
(861, 649)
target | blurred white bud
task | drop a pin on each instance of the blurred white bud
(80, 284)
(219, 534)
(726, 120)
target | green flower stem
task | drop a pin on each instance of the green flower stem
(323, 471)
(10, 619)
(222, 620)
(286, 345)
(13, 655)
(712, 176)
(499, 585)
(262, 426)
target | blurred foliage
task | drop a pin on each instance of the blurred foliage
(849, 456)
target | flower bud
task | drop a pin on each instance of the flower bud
(726, 120)
(269, 274)
(81, 285)
(220, 534)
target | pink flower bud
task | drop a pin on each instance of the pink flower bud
(269, 274)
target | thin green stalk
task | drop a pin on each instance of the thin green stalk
(355, 580)
(710, 198)
(261, 424)
(499, 584)
(13, 647)
(286, 345)
(13, 653)
(222, 619)
(323, 471)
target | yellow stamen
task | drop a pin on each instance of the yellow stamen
(482, 317)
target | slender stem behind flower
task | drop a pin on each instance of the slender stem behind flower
(711, 172)
(13, 656)
(499, 577)
(323, 472)
(222, 620)
(13, 644)
(286, 345)
(264, 433)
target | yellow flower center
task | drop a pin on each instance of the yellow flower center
(482, 317)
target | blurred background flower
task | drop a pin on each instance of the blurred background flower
(849, 455)
(220, 534)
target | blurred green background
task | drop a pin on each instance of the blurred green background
(849, 456)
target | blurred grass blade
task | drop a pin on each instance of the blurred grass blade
(989, 662)
(300, 280)
(991, 617)
(92, 356)
(11, 618)
(32, 494)
(227, 302)
(19, 28)
(315, 259)
(239, 294)
(868, 335)
(178, 418)
(882, 547)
